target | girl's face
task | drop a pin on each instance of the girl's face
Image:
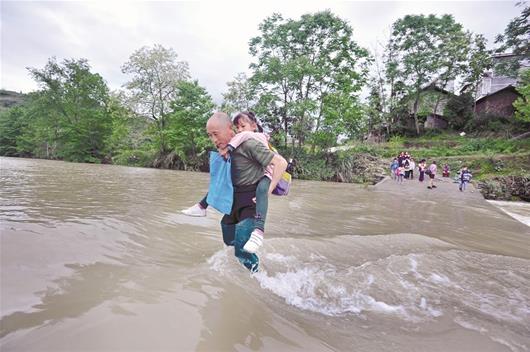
(245, 124)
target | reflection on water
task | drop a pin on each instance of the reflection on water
(98, 257)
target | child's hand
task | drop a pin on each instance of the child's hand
(254, 200)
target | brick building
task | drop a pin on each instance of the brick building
(499, 103)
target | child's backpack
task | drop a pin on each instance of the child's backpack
(283, 186)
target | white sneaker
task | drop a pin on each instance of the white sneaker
(254, 242)
(195, 210)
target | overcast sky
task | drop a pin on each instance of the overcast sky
(211, 36)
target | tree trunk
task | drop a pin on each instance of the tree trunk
(285, 116)
(416, 104)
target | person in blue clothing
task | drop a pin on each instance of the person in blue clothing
(249, 161)
(465, 177)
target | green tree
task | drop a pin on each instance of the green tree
(300, 63)
(479, 60)
(239, 96)
(155, 76)
(186, 124)
(425, 49)
(69, 113)
(128, 129)
(459, 110)
(516, 38)
(453, 53)
(13, 123)
(522, 104)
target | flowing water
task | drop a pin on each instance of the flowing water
(98, 258)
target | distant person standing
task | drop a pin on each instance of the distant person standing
(465, 177)
(406, 165)
(421, 169)
(446, 171)
(431, 171)
(401, 158)
(400, 173)
(412, 167)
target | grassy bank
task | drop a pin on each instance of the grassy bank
(486, 156)
(500, 166)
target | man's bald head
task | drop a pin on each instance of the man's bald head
(220, 118)
(219, 128)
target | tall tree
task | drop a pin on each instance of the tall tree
(453, 52)
(189, 113)
(425, 49)
(239, 96)
(70, 110)
(516, 39)
(128, 129)
(479, 60)
(13, 123)
(155, 75)
(522, 104)
(299, 63)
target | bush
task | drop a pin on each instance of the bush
(134, 157)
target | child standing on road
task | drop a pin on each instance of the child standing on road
(465, 177)
(400, 173)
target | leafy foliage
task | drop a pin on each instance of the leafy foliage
(239, 96)
(459, 110)
(67, 118)
(155, 75)
(516, 39)
(522, 104)
(307, 75)
(186, 124)
(424, 50)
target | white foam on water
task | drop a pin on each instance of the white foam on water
(317, 290)
(439, 279)
(518, 210)
(470, 326)
(280, 258)
(404, 277)
(219, 260)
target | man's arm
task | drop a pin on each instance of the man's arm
(280, 164)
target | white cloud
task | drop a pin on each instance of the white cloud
(212, 36)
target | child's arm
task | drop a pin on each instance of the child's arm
(244, 136)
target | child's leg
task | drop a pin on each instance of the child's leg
(203, 203)
(262, 202)
(198, 209)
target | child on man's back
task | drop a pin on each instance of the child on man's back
(246, 125)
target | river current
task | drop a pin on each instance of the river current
(99, 258)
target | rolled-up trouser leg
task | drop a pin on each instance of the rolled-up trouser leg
(229, 233)
(242, 234)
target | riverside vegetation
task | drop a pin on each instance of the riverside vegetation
(307, 75)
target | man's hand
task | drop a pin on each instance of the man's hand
(280, 164)
(224, 152)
